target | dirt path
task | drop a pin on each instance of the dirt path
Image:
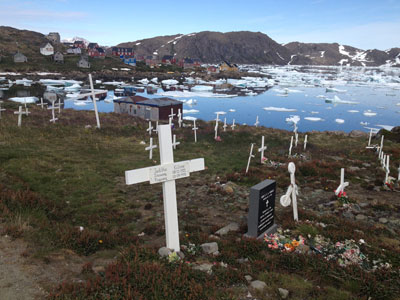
(18, 277)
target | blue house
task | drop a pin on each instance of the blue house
(130, 61)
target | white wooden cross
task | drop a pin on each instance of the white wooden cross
(387, 169)
(398, 174)
(369, 140)
(233, 125)
(1, 109)
(19, 113)
(305, 142)
(54, 119)
(217, 119)
(41, 102)
(383, 161)
(291, 146)
(297, 139)
(292, 192)
(174, 142)
(166, 173)
(26, 108)
(225, 125)
(216, 130)
(150, 128)
(256, 123)
(156, 129)
(343, 184)
(172, 115)
(150, 148)
(170, 121)
(250, 157)
(179, 118)
(381, 147)
(262, 149)
(195, 131)
(94, 101)
(59, 106)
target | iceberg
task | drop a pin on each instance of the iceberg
(369, 113)
(170, 82)
(190, 111)
(293, 119)
(386, 127)
(73, 88)
(313, 119)
(333, 90)
(24, 99)
(283, 109)
(353, 111)
(232, 110)
(337, 100)
(202, 88)
(187, 94)
(339, 121)
(144, 81)
(154, 80)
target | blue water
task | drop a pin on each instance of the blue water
(249, 107)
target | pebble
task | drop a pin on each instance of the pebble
(230, 227)
(209, 248)
(284, 293)
(248, 278)
(383, 220)
(204, 267)
(361, 217)
(164, 252)
(258, 285)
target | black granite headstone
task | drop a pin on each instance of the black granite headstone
(260, 219)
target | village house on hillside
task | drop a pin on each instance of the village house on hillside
(150, 61)
(120, 51)
(212, 70)
(58, 58)
(79, 44)
(228, 67)
(47, 49)
(20, 58)
(96, 52)
(168, 60)
(84, 62)
(186, 63)
(154, 109)
(93, 46)
(54, 37)
(74, 50)
(130, 61)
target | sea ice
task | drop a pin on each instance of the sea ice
(369, 113)
(144, 81)
(189, 118)
(313, 119)
(293, 119)
(386, 127)
(187, 94)
(190, 111)
(232, 110)
(24, 99)
(202, 88)
(170, 82)
(272, 108)
(339, 121)
(353, 111)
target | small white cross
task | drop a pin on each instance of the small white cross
(172, 115)
(292, 192)
(225, 125)
(150, 148)
(179, 118)
(156, 129)
(19, 113)
(291, 146)
(297, 139)
(1, 109)
(54, 119)
(217, 119)
(233, 125)
(381, 147)
(383, 161)
(305, 142)
(195, 131)
(216, 130)
(343, 184)
(262, 149)
(170, 122)
(175, 143)
(369, 139)
(59, 106)
(150, 128)
(398, 175)
(166, 173)
(41, 102)
(256, 123)
(387, 169)
(250, 157)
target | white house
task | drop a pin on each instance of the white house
(47, 49)
(74, 51)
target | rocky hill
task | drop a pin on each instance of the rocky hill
(242, 47)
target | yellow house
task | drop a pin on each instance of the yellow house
(228, 67)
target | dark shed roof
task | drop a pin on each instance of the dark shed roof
(158, 102)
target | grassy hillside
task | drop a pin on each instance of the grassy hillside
(62, 187)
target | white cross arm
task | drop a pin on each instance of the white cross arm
(164, 172)
(96, 92)
(341, 188)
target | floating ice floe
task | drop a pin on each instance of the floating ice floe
(293, 119)
(73, 88)
(251, 94)
(334, 90)
(314, 112)
(190, 111)
(154, 80)
(313, 119)
(352, 111)
(339, 121)
(144, 81)
(125, 69)
(386, 127)
(189, 118)
(232, 110)
(337, 100)
(170, 82)
(321, 97)
(369, 113)
(24, 81)
(24, 99)
(272, 108)
(220, 113)
(187, 94)
(80, 103)
(202, 88)
(398, 104)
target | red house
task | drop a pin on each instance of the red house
(168, 60)
(97, 52)
(118, 51)
(79, 44)
(93, 46)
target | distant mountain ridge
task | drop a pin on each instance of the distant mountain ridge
(242, 47)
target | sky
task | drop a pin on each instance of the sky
(365, 24)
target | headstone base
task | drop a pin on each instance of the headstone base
(269, 231)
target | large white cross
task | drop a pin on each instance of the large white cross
(172, 115)
(225, 125)
(19, 113)
(342, 184)
(179, 118)
(291, 146)
(41, 102)
(174, 142)
(305, 142)
(170, 121)
(233, 125)
(383, 161)
(166, 173)
(256, 123)
(59, 106)
(262, 149)
(150, 128)
(297, 139)
(292, 192)
(381, 147)
(1, 109)
(150, 148)
(250, 157)
(54, 119)
(387, 169)
(195, 131)
(216, 130)
(369, 139)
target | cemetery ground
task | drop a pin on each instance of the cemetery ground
(79, 232)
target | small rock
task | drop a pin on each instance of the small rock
(283, 293)
(356, 207)
(258, 285)
(209, 248)
(248, 278)
(142, 143)
(348, 215)
(204, 267)
(354, 169)
(227, 189)
(164, 252)
(383, 220)
(88, 126)
(363, 204)
(357, 133)
(211, 236)
(361, 217)
(230, 227)
(242, 260)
